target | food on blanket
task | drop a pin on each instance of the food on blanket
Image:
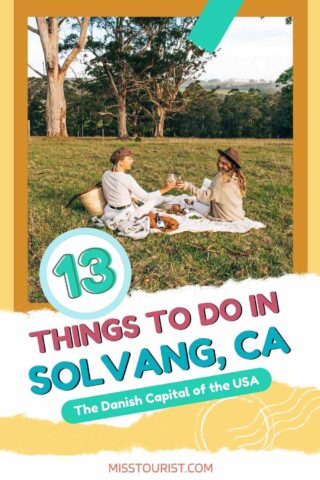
(170, 224)
(153, 222)
(163, 205)
(175, 209)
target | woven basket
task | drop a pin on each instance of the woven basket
(93, 201)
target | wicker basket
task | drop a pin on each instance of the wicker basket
(93, 201)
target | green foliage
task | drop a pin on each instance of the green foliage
(201, 113)
(250, 114)
(200, 116)
(282, 114)
(167, 61)
(286, 78)
(37, 105)
(141, 71)
(151, 56)
(283, 111)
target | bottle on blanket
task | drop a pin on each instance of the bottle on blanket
(159, 222)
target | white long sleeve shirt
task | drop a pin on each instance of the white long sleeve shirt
(119, 187)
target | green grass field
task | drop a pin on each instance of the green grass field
(60, 168)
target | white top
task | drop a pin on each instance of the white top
(119, 187)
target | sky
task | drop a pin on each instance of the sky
(252, 48)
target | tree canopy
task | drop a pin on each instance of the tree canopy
(141, 79)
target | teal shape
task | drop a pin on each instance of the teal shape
(213, 23)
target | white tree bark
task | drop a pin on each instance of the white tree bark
(160, 118)
(48, 30)
(122, 117)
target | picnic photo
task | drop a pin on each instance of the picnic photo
(184, 156)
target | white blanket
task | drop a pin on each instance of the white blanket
(127, 225)
(202, 223)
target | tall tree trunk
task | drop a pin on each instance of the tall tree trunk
(122, 117)
(160, 118)
(56, 106)
(48, 30)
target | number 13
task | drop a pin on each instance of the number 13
(99, 261)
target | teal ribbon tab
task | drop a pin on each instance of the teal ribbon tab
(213, 23)
(165, 396)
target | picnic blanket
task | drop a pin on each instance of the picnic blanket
(192, 221)
(126, 225)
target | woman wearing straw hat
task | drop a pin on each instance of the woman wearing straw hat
(227, 189)
(120, 188)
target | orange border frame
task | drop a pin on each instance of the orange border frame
(297, 9)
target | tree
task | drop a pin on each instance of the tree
(283, 110)
(286, 78)
(169, 60)
(86, 109)
(49, 30)
(37, 105)
(114, 43)
(265, 103)
(232, 113)
(200, 116)
(252, 115)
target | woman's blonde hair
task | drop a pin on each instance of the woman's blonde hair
(240, 177)
(241, 181)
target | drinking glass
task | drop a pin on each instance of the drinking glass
(172, 177)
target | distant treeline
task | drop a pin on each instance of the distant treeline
(199, 112)
(243, 85)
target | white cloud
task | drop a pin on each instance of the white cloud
(253, 48)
